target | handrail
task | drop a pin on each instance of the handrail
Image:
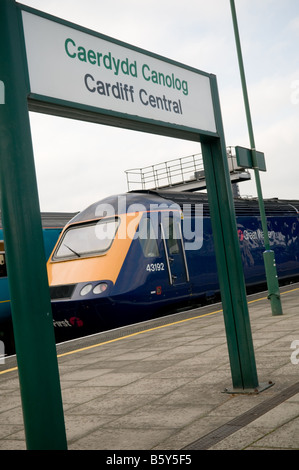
(166, 173)
(179, 171)
(184, 253)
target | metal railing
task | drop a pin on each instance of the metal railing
(166, 174)
(179, 171)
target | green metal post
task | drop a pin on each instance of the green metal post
(30, 300)
(269, 260)
(228, 256)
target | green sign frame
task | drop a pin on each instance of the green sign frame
(90, 51)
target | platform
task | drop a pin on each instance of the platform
(160, 385)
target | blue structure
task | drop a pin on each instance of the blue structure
(53, 224)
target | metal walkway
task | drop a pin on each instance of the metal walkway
(180, 174)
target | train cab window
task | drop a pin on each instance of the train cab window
(86, 240)
(147, 238)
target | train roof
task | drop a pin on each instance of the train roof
(53, 219)
(243, 206)
(56, 219)
(148, 198)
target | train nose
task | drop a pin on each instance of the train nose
(80, 291)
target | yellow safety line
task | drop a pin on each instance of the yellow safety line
(145, 331)
(135, 334)
(287, 291)
(8, 370)
(120, 338)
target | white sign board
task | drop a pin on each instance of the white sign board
(81, 67)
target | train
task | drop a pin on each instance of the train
(143, 254)
(52, 225)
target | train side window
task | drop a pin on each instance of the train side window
(147, 238)
(171, 236)
(3, 272)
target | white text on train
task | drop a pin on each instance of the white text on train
(188, 227)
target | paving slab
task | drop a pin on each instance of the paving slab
(161, 385)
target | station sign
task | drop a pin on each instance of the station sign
(73, 68)
(244, 158)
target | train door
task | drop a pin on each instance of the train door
(172, 239)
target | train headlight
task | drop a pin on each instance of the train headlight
(86, 289)
(100, 288)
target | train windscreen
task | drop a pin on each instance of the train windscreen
(83, 240)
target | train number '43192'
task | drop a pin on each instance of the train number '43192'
(152, 267)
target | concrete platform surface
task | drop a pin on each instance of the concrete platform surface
(160, 385)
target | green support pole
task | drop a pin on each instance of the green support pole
(30, 300)
(228, 256)
(269, 260)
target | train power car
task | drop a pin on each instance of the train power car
(139, 255)
(52, 224)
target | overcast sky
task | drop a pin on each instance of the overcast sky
(78, 163)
